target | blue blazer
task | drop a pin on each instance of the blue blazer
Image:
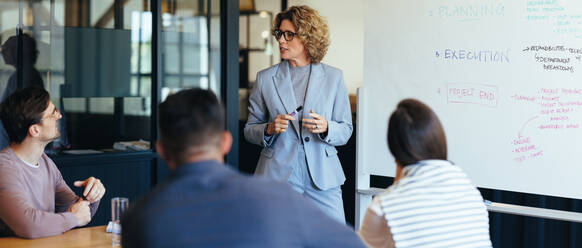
(207, 204)
(327, 95)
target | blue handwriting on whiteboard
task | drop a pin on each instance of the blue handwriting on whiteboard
(485, 56)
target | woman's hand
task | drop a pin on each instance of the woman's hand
(316, 125)
(280, 124)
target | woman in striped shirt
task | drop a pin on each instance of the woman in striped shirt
(432, 203)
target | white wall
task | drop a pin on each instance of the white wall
(346, 24)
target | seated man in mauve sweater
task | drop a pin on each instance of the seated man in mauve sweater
(35, 201)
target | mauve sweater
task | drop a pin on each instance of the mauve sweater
(34, 200)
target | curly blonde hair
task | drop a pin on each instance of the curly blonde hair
(311, 29)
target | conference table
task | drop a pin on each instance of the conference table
(94, 237)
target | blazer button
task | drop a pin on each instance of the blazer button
(306, 139)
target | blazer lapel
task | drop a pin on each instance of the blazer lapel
(285, 91)
(314, 88)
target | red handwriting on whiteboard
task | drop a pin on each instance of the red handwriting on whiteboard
(524, 98)
(548, 91)
(557, 110)
(470, 93)
(525, 149)
(523, 146)
(537, 154)
(559, 118)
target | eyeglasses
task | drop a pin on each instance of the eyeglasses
(288, 34)
(53, 115)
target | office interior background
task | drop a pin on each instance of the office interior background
(108, 63)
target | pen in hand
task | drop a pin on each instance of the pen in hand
(292, 114)
(281, 122)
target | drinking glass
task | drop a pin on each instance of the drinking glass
(118, 207)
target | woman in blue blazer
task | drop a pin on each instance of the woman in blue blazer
(299, 111)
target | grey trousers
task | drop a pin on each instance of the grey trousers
(329, 201)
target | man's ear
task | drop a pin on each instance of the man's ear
(160, 150)
(162, 153)
(225, 142)
(34, 130)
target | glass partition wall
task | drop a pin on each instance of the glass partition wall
(189, 52)
(95, 58)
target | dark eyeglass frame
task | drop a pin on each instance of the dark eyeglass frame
(52, 115)
(287, 34)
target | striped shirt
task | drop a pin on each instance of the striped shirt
(433, 204)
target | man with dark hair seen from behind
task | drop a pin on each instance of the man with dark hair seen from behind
(207, 204)
(35, 201)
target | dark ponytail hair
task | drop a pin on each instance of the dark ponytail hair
(415, 133)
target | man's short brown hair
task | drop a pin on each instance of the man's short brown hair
(23, 109)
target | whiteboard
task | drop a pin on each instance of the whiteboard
(504, 77)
